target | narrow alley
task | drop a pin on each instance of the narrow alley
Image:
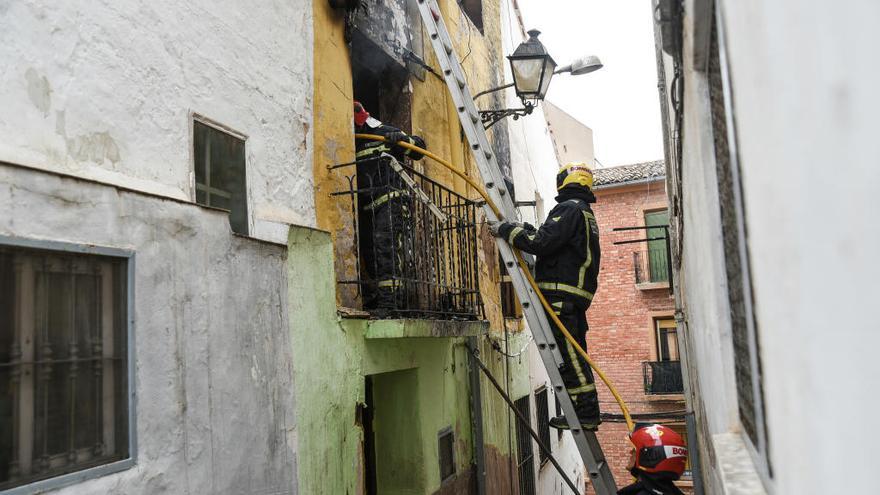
(438, 247)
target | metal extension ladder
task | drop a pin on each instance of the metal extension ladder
(587, 444)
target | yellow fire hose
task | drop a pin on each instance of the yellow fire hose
(525, 269)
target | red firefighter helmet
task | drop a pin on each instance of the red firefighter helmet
(360, 113)
(657, 449)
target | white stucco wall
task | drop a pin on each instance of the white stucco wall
(805, 99)
(106, 90)
(805, 91)
(213, 360)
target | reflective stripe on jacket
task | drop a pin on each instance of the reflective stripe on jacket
(567, 250)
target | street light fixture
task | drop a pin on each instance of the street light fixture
(532, 69)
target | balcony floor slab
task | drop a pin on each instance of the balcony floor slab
(410, 328)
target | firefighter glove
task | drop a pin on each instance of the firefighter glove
(495, 228)
(394, 137)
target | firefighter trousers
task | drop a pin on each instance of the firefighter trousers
(392, 241)
(576, 372)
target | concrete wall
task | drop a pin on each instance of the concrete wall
(805, 107)
(212, 352)
(106, 90)
(572, 140)
(332, 360)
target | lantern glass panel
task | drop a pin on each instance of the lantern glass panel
(527, 75)
(549, 67)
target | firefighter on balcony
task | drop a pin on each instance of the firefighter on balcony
(658, 457)
(384, 205)
(567, 268)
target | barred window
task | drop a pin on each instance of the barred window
(63, 363)
(542, 409)
(744, 327)
(525, 454)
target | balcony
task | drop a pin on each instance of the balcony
(651, 269)
(662, 377)
(435, 272)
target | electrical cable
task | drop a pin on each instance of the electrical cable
(523, 266)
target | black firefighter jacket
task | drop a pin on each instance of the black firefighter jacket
(566, 247)
(376, 178)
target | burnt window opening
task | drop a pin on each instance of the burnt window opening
(446, 453)
(417, 254)
(474, 10)
(510, 307)
(221, 179)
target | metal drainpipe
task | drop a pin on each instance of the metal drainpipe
(477, 418)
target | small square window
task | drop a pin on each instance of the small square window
(63, 363)
(446, 450)
(220, 173)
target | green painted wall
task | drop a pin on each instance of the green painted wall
(331, 359)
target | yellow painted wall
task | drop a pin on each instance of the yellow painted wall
(434, 117)
(334, 139)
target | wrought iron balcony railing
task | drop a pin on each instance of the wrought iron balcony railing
(433, 245)
(662, 377)
(651, 266)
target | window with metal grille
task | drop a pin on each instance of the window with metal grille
(542, 409)
(64, 366)
(744, 328)
(220, 173)
(525, 454)
(446, 450)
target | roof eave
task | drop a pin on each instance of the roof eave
(657, 178)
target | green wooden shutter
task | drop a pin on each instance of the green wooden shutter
(657, 249)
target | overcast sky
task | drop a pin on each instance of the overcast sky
(619, 102)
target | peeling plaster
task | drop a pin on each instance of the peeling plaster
(213, 360)
(105, 90)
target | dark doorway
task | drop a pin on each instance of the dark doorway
(369, 440)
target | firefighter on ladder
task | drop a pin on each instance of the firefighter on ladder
(384, 210)
(567, 269)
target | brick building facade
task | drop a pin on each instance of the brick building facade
(632, 326)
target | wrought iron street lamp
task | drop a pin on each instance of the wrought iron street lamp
(532, 69)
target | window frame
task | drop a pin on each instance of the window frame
(446, 432)
(660, 324)
(217, 126)
(759, 451)
(542, 413)
(115, 466)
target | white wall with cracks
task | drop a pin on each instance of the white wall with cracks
(106, 90)
(213, 357)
